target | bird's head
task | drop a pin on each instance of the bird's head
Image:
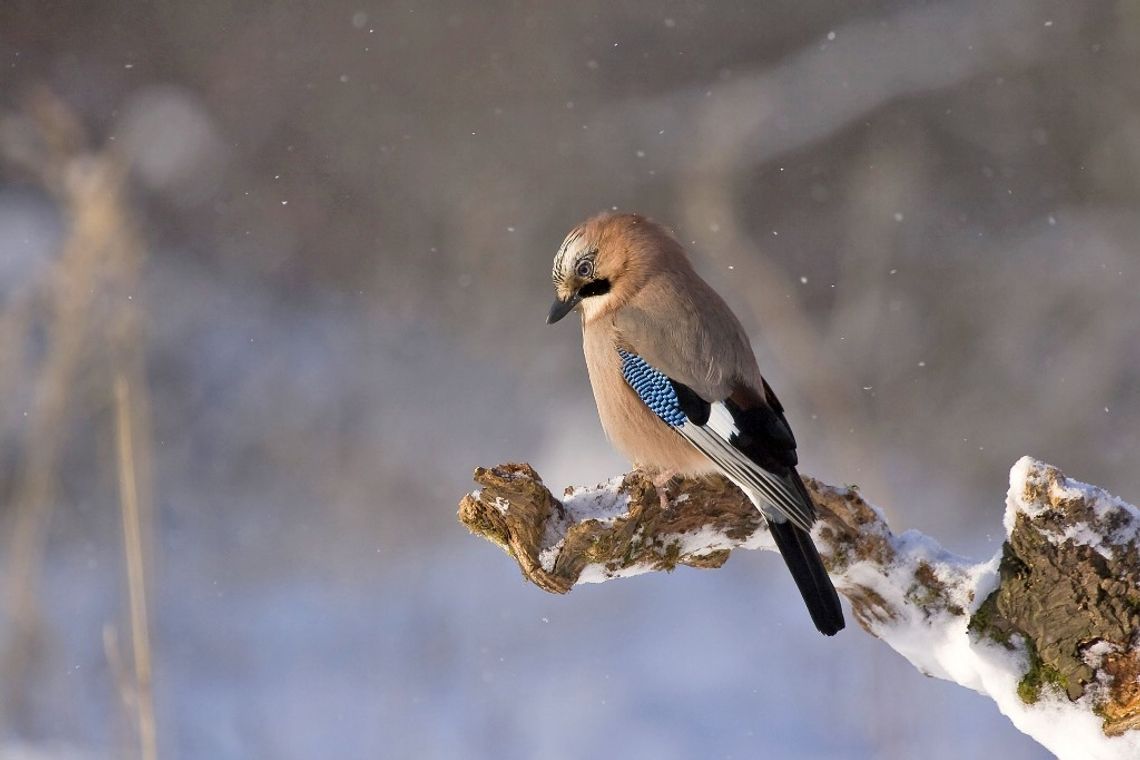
(604, 261)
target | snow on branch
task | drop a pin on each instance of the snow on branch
(1049, 628)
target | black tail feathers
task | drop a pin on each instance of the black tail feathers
(803, 560)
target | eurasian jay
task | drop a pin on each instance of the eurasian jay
(677, 386)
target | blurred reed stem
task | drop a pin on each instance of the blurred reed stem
(136, 574)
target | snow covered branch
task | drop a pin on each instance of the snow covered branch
(1049, 628)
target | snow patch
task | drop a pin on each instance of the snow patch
(1032, 493)
(599, 573)
(603, 503)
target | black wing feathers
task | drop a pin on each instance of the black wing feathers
(778, 408)
(694, 407)
(763, 432)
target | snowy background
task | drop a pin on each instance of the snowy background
(926, 214)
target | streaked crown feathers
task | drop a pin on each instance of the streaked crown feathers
(569, 253)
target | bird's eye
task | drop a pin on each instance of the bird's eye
(584, 269)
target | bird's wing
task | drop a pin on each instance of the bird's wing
(746, 436)
(689, 333)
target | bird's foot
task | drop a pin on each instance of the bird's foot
(661, 482)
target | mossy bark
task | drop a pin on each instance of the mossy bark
(1068, 599)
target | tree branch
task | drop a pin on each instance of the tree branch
(1048, 628)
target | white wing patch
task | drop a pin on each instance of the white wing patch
(777, 497)
(721, 422)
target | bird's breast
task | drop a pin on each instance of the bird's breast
(631, 426)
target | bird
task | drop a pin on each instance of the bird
(677, 386)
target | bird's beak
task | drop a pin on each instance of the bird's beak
(561, 308)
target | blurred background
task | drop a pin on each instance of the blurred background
(273, 281)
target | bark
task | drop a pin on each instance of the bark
(1066, 591)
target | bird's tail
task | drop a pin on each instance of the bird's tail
(804, 562)
(815, 587)
(807, 569)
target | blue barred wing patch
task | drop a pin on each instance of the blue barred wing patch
(653, 387)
